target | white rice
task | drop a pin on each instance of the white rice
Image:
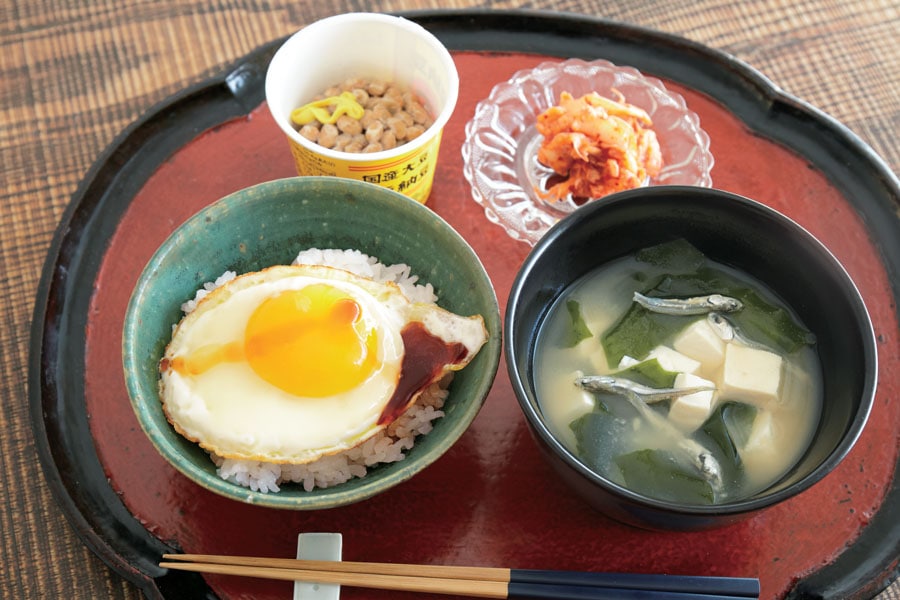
(209, 286)
(386, 446)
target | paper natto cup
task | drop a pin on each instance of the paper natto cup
(369, 46)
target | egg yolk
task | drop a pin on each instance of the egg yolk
(309, 342)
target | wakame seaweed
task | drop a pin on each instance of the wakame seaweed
(659, 474)
(739, 419)
(638, 332)
(593, 431)
(687, 273)
(649, 373)
(578, 330)
(726, 427)
(759, 319)
(677, 256)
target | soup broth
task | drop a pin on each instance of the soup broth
(755, 369)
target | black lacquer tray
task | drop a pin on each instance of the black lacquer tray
(57, 373)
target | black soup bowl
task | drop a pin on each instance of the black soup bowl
(742, 234)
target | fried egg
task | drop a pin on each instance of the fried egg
(293, 363)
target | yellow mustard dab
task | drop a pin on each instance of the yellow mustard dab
(345, 104)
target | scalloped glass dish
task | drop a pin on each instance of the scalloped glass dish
(500, 150)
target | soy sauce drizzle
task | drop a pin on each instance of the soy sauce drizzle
(424, 359)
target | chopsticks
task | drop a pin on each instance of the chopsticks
(478, 582)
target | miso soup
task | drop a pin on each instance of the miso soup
(747, 381)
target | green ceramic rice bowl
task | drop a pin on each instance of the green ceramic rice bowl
(268, 224)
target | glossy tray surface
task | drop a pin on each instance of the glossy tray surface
(490, 500)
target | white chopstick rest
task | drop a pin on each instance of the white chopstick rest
(318, 546)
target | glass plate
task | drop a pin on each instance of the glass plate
(500, 149)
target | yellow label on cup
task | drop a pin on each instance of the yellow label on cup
(411, 173)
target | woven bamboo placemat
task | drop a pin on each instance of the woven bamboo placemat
(76, 74)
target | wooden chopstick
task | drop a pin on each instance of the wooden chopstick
(440, 571)
(432, 585)
(480, 582)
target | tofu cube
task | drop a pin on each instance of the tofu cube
(762, 434)
(751, 375)
(702, 343)
(591, 350)
(627, 361)
(689, 412)
(584, 404)
(762, 449)
(672, 360)
(795, 386)
(570, 407)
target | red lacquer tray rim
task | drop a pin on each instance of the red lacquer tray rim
(65, 448)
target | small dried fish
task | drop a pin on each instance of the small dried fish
(697, 305)
(699, 457)
(721, 326)
(642, 393)
(729, 332)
